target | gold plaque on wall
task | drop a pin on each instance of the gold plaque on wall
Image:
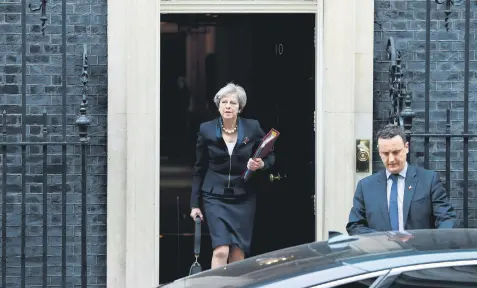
(363, 155)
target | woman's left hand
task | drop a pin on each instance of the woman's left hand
(255, 164)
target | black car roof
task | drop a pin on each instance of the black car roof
(355, 252)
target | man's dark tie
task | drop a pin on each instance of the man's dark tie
(393, 204)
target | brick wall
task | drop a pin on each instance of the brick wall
(86, 22)
(406, 22)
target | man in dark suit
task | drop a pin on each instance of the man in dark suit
(401, 197)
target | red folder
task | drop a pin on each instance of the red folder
(265, 147)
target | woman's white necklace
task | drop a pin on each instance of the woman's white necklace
(229, 131)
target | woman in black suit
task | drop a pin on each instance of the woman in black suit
(224, 149)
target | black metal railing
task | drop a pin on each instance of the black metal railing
(402, 114)
(30, 150)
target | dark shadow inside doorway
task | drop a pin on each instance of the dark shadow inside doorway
(272, 57)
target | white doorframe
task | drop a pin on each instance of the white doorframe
(319, 127)
(234, 6)
(290, 6)
(344, 105)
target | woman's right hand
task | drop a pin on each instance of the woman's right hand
(194, 212)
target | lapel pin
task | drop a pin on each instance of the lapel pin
(245, 140)
(410, 187)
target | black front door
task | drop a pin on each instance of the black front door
(273, 57)
(283, 83)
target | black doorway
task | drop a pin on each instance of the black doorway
(273, 57)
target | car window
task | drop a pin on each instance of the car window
(364, 283)
(456, 277)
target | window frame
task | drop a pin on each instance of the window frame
(386, 277)
(396, 272)
(381, 275)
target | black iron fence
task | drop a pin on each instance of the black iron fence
(53, 156)
(402, 114)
